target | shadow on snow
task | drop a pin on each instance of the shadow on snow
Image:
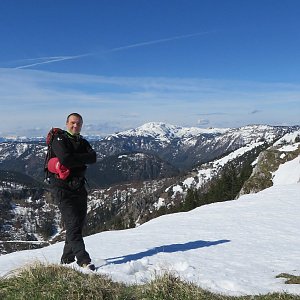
(165, 249)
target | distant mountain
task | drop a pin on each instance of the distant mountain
(12, 178)
(129, 167)
(24, 157)
(185, 147)
(21, 139)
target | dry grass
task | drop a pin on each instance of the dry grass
(58, 282)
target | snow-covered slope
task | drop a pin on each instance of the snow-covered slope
(236, 247)
(208, 171)
(284, 175)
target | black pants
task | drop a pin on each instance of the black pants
(73, 207)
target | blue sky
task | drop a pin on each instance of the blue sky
(122, 63)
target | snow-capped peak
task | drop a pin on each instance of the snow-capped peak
(168, 132)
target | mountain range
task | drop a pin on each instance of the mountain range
(140, 174)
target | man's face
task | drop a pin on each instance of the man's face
(74, 125)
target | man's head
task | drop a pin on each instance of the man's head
(74, 123)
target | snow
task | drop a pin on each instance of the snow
(236, 247)
(289, 148)
(176, 189)
(207, 171)
(165, 132)
(21, 148)
(160, 203)
(284, 175)
(288, 138)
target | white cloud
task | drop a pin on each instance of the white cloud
(202, 122)
(39, 99)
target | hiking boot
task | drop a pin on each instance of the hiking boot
(66, 261)
(89, 266)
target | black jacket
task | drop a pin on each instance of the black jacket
(74, 152)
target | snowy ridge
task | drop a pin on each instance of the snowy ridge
(15, 150)
(254, 133)
(167, 132)
(289, 138)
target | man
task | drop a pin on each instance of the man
(72, 153)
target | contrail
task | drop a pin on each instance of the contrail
(179, 37)
(49, 60)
